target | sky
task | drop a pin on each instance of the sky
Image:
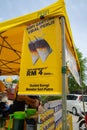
(76, 10)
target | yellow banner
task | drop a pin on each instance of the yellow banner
(41, 61)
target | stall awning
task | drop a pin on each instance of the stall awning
(11, 36)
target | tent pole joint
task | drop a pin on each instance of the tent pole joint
(64, 69)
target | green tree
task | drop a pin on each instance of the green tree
(15, 81)
(73, 86)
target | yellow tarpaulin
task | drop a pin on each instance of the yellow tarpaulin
(41, 58)
(11, 36)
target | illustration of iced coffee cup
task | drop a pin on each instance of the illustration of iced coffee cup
(42, 48)
(33, 51)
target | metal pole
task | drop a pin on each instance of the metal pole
(64, 106)
(82, 96)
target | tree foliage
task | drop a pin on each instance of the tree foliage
(15, 81)
(73, 86)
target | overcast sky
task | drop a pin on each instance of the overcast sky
(76, 9)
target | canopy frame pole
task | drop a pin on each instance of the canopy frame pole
(64, 68)
(9, 46)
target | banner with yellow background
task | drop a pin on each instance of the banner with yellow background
(41, 61)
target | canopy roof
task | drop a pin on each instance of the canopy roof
(11, 36)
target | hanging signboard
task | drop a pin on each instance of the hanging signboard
(41, 60)
(72, 65)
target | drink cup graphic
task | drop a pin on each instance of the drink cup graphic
(33, 51)
(42, 48)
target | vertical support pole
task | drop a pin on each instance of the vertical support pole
(82, 96)
(64, 106)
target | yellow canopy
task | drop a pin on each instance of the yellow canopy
(11, 36)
